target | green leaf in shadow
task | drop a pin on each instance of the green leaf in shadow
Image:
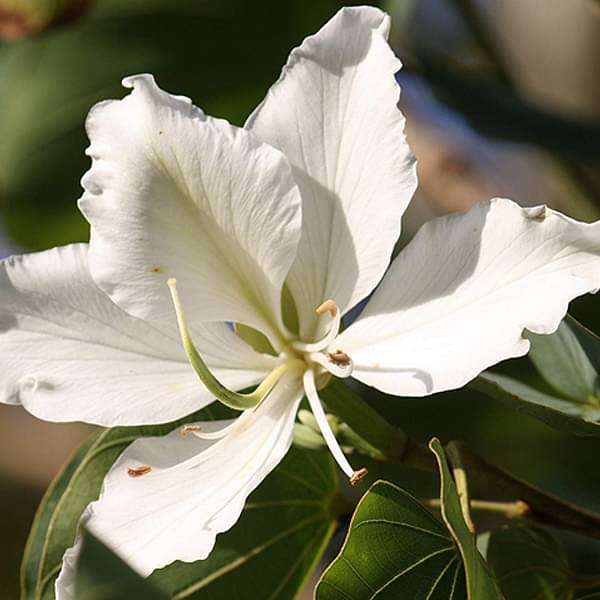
(561, 414)
(530, 563)
(102, 575)
(567, 397)
(568, 360)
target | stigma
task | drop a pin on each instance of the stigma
(336, 362)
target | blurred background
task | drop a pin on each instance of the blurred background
(502, 98)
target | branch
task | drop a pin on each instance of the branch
(395, 447)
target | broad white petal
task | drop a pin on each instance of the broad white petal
(174, 193)
(334, 114)
(457, 298)
(67, 353)
(197, 488)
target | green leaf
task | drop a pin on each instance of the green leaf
(558, 413)
(567, 396)
(395, 548)
(283, 530)
(480, 582)
(102, 575)
(569, 360)
(530, 563)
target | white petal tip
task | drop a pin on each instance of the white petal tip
(535, 213)
(144, 78)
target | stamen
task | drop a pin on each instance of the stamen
(224, 395)
(332, 308)
(187, 429)
(338, 368)
(138, 471)
(196, 431)
(332, 443)
(339, 357)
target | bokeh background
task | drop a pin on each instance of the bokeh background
(502, 99)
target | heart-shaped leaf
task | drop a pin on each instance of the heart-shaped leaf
(396, 548)
(283, 530)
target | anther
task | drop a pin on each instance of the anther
(332, 308)
(340, 358)
(357, 476)
(328, 306)
(187, 429)
(138, 471)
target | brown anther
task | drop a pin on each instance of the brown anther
(328, 306)
(339, 358)
(187, 429)
(357, 476)
(138, 471)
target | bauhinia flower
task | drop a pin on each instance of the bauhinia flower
(205, 236)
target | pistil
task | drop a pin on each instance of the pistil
(226, 396)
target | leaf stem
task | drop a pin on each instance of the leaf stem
(462, 486)
(511, 510)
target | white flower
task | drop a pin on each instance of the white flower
(308, 195)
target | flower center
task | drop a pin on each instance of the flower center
(335, 361)
(311, 359)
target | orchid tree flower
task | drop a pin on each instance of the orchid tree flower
(202, 232)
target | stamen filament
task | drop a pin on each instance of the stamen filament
(332, 443)
(226, 396)
(332, 308)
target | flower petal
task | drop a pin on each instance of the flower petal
(458, 297)
(334, 114)
(69, 353)
(174, 193)
(196, 489)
